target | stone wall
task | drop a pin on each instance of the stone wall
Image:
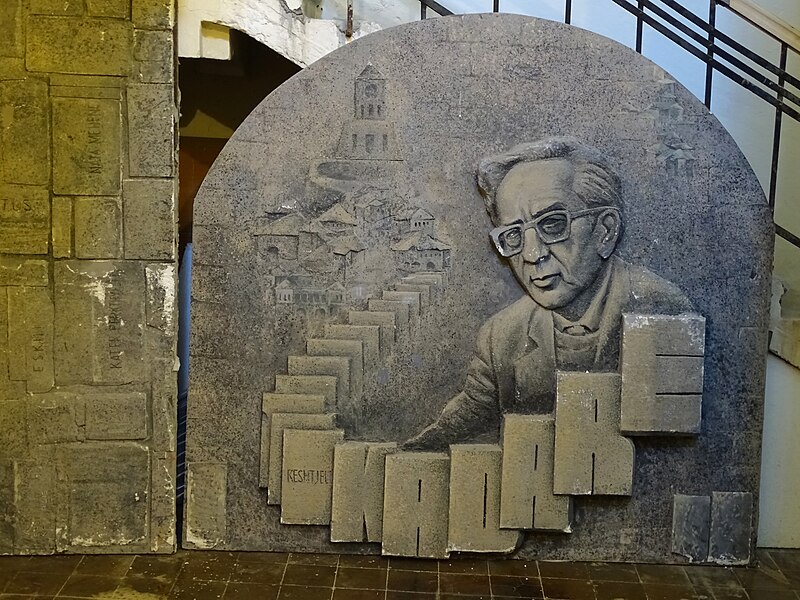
(87, 276)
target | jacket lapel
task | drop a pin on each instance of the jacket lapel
(534, 371)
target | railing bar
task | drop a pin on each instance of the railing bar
(761, 28)
(423, 12)
(568, 12)
(496, 7)
(727, 71)
(787, 235)
(776, 136)
(437, 8)
(747, 69)
(639, 27)
(712, 16)
(729, 41)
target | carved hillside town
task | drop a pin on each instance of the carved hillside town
(317, 261)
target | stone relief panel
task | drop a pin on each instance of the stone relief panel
(481, 310)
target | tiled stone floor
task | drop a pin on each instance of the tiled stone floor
(273, 576)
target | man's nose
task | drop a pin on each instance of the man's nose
(534, 250)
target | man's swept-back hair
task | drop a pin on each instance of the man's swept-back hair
(595, 181)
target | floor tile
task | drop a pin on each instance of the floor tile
(197, 590)
(414, 564)
(137, 586)
(54, 564)
(516, 587)
(13, 563)
(568, 589)
(309, 575)
(396, 595)
(109, 565)
(563, 570)
(465, 565)
(762, 579)
(723, 593)
(706, 577)
(771, 595)
(262, 557)
(613, 590)
(88, 586)
(214, 567)
(343, 594)
(353, 577)
(326, 560)
(657, 591)
(413, 581)
(455, 583)
(289, 592)
(255, 572)
(613, 572)
(36, 584)
(521, 568)
(363, 562)
(250, 591)
(463, 597)
(662, 574)
(156, 566)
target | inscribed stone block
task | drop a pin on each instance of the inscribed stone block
(55, 418)
(153, 51)
(151, 129)
(411, 298)
(662, 373)
(150, 219)
(62, 227)
(527, 500)
(164, 403)
(415, 505)
(358, 475)
(30, 337)
(12, 68)
(475, 477)
(368, 334)
(7, 524)
(207, 493)
(35, 501)
(116, 416)
(334, 366)
(279, 423)
(98, 226)
(95, 82)
(282, 403)
(591, 457)
(25, 123)
(154, 14)
(86, 146)
(119, 9)
(308, 384)
(731, 528)
(110, 93)
(99, 317)
(691, 520)
(77, 45)
(24, 219)
(57, 8)
(11, 37)
(308, 476)
(435, 280)
(23, 271)
(384, 320)
(400, 309)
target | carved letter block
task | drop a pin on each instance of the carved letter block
(333, 366)
(415, 504)
(358, 475)
(662, 373)
(281, 422)
(385, 320)
(527, 500)
(282, 403)
(591, 457)
(308, 476)
(475, 473)
(370, 335)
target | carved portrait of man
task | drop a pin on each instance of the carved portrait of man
(558, 210)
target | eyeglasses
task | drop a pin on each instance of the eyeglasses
(551, 227)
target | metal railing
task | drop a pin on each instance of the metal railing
(719, 52)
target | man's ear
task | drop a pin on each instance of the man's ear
(609, 225)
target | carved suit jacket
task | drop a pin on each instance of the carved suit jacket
(513, 369)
